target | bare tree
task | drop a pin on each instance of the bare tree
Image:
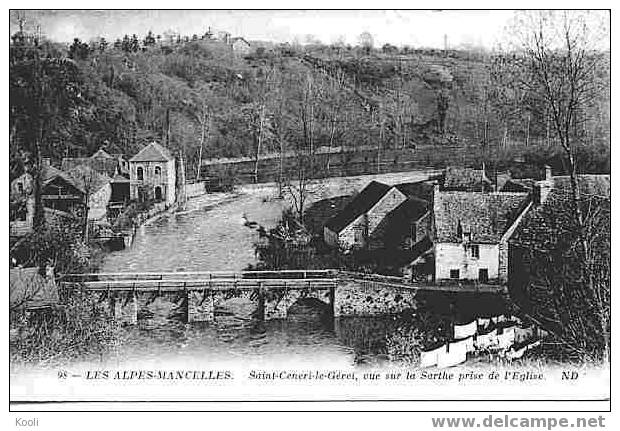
(205, 130)
(562, 57)
(304, 151)
(90, 182)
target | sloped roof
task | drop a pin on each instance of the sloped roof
(50, 173)
(103, 165)
(101, 153)
(486, 216)
(519, 185)
(420, 190)
(589, 184)
(410, 210)
(363, 202)
(118, 178)
(153, 152)
(554, 222)
(239, 39)
(466, 179)
(399, 221)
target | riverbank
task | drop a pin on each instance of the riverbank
(210, 233)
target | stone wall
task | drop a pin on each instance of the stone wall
(195, 189)
(369, 298)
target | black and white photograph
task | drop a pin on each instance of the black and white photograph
(282, 205)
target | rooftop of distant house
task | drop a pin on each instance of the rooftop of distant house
(239, 39)
(470, 179)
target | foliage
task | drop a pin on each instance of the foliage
(413, 333)
(58, 243)
(567, 289)
(150, 87)
(77, 329)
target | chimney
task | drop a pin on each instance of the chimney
(541, 191)
(548, 173)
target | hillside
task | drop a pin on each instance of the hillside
(204, 101)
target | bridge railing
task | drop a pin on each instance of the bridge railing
(197, 284)
(201, 275)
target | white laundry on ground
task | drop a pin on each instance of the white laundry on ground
(457, 354)
(524, 334)
(483, 322)
(484, 341)
(498, 319)
(467, 342)
(516, 354)
(506, 338)
(464, 331)
(429, 358)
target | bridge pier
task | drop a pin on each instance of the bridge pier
(124, 308)
(277, 303)
(200, 307)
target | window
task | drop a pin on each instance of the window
(483, 275)
(455, 274)
(20, 187)
(358, 234)
(140, 173)
(475, 251)
(157, 193)
(157, 170)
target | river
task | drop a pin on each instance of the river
(211, 236)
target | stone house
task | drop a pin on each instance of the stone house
(380, 216)
(61, 192)
(97, 190)
(470, 233)
(152, 175)
(114, 166)
(355, 225)
(240, 46)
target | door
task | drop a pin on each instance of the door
(157, 193)
(483, 275)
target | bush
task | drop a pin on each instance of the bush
(80, 328)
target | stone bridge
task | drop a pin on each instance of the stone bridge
(197, 295)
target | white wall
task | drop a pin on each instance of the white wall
(166, 180)
(455, 256)
(98, 202)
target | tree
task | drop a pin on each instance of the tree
(560, 48)
(79, 50)
(366, 41)
(304, 145)
(149, 39)
(45, 107)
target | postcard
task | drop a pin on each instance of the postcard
(271, 206)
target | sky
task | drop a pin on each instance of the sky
(414, 28)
